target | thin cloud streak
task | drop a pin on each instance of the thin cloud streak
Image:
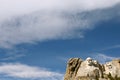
(102, 58)
(13, 54)
(13, 57)
(111, 47)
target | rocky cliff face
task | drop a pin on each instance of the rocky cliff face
(89, 69)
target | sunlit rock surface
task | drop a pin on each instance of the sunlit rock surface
(90, 69)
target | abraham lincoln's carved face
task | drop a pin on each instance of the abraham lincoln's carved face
(108, 65)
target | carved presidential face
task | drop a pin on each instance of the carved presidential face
(95, 62)
(109, 65)
(89, 61)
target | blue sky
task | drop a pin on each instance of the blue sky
(37, 37)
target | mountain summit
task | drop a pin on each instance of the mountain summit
(90, 69)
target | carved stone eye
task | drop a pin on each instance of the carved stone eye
(110, 66)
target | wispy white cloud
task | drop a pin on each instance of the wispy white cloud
(111, 47)
(29, 21)
(18, 70)
(12, 54)
(13, 57)
(103, 58)
(63, 58)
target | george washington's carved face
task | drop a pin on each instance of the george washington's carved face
(89, 61)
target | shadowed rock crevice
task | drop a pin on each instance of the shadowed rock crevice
(89, 69)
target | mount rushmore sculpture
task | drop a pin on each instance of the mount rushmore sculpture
(91, 69)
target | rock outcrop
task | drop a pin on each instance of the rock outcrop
(72, 68)
(90, 69)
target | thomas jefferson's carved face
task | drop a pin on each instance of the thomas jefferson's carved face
(95, 62)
